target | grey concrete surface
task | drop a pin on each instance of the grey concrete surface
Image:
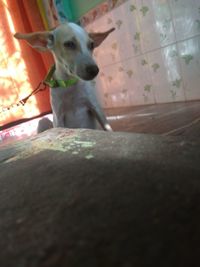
(90, 198)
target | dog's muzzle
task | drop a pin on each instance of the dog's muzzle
(86, 68)
(90, 72)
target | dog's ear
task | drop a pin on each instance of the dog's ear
(41, 41)
(99, 37)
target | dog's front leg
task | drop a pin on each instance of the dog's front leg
(100, 116)
(59, 120)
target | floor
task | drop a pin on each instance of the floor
(99, 199)
(165, 119)
(94, 198)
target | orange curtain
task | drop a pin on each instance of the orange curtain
(21, 67)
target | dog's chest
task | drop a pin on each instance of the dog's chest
(69, 99)
(70, 106)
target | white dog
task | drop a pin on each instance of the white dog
(73, 99)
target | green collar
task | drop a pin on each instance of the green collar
(58, 83)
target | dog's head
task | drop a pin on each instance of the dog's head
(71, 46)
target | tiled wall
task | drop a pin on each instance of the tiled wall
(154, 54)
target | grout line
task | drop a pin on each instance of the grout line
(177, 48)
(150, 51)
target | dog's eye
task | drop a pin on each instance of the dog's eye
(91, 46)
(70, 45)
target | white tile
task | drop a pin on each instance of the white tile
(128, 83)
(127, 29)
(156, 24)
(140, 62)
(116, 93)
(189, 52)
(139, 83)
(101, 89)
(104, 54)
(124, 42)
(166, 75)
(186, 18)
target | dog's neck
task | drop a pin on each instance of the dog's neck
(61, 73)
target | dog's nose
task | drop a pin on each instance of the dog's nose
(92, 70)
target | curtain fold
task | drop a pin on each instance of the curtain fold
(49, 13)
(21, 67)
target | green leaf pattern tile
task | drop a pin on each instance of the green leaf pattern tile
(163, 37)
(110, 78)
(188, 59)
(124, 91)
(113, 57)
(155, 67)
(119, 23)
(147, 88)
(173, 53)
(129, 73)
(144, 10)
(95, 53)
(198, 24)
(144, 62)
(102, 74)
(173, 94)
(145, 98)
(109, 21)
(177, 83)
(137, 36)
(114, 46)
(133, 8)
(136, 48)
